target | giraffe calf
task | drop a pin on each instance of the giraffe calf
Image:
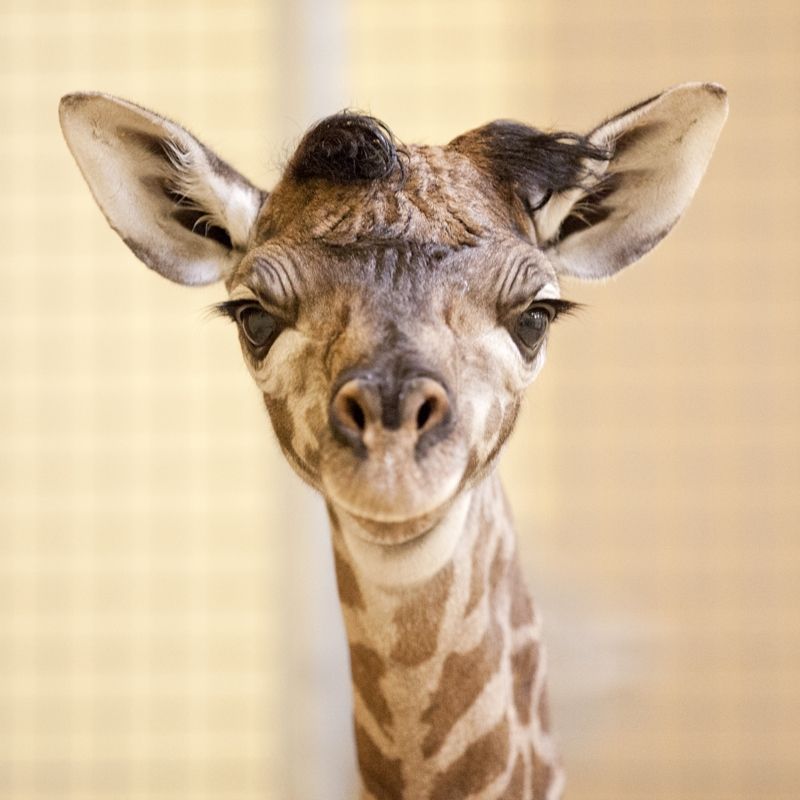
(393, 302)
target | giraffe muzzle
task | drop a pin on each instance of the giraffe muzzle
(374, 415)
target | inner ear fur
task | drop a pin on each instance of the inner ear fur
(659, 150)
(182, 210)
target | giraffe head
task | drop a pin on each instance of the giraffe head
(393, 302)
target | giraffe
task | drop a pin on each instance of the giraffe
(393, 302)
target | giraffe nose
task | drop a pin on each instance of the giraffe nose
(364, 410)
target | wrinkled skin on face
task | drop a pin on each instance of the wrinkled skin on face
(378, 279)
(393, 302)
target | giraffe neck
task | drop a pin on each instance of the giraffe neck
(447, 669)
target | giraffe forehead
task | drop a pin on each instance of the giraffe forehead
(437, 196)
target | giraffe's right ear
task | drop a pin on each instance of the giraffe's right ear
(181, 210)
(659, 150)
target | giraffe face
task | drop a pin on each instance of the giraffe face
(393, 302)
(392, 337)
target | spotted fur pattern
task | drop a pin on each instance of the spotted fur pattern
(448, 672)
(389, 264)
(446, 661)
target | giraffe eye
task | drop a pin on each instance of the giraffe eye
(258, 326)
(532, 325)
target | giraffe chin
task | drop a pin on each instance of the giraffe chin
(392, 534)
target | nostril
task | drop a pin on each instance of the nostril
(356, 413)
(355, 407)
(427, 406)
(424, 413)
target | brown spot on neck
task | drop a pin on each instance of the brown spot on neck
(521, 604)
(347, 583)
(524, 664)
(462, 680)
(382, 776)
(477, 767)
(367, 669)
(419, 618)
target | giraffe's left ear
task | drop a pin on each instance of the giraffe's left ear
(181, 209)
(659, 151)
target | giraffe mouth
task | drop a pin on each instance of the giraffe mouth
(391, 501)
(400, 531)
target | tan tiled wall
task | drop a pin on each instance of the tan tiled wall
(136, 655)
(145, 513)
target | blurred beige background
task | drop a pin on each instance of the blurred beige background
(168, 626)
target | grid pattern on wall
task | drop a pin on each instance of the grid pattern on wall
(138, 577)
(144, 601)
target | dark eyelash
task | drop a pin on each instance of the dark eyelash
(559, 307)
(230, 308)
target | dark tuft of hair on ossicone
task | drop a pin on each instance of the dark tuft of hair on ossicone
(346, 148)
(533, 162)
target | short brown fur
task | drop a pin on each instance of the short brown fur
(418, 620)
(480, 763)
